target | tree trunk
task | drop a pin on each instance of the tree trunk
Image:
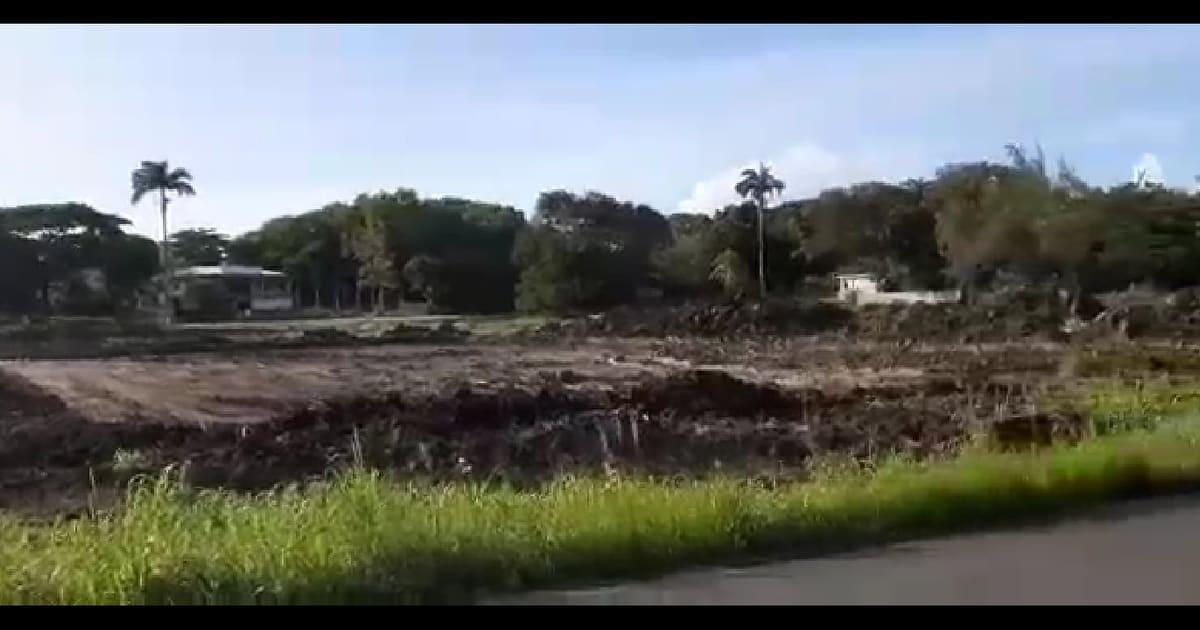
(315, 278)
(165, 262)
(1074, 293)
(378, 305)
(762, 240)
(45, 285)
(337, 297)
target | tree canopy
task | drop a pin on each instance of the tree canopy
(969, 224)
(47, 250)
(199, 246)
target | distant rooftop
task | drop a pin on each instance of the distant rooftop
(228, 270)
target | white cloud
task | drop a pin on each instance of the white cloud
(1152, 168)
(806, 169)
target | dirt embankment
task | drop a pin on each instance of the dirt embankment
(1027, 316)
(943, 322)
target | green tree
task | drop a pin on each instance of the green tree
(683, 266)
(424, 273)
(129, 261)
(246, 249)
(202, 246)
(548, 281)
(22, 279)
(1150, 234)
(308, 247)
(976, 227)
(159, 177)
(594, 249)
(45, 246)
(873, 227)
(735, 227)
(731, 272)
(759, 184)
(376, 270)
(1047, 228)
(473, 241)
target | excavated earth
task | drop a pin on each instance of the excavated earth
(71, 432)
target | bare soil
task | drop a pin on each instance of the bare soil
(72, 431)
(761, 390)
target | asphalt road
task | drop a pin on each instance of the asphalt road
(1145, 552)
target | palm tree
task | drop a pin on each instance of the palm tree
(158, 176)
(759, 184)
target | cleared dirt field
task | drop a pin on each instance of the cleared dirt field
(74, 429)
(230, 389)
(203, 389)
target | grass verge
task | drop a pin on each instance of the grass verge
(1115, 406)
(365, 539)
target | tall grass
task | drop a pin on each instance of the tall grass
(1116, 406)
(363, 538)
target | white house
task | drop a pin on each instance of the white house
(863, 288)
(252, 289)
(852, 285)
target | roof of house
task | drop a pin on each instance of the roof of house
(227, 271)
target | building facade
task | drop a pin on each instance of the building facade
(235, 290)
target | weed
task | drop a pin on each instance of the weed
(129, 461)
(365, 538)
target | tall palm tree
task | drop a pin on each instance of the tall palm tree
(157, 176)
(759, 184)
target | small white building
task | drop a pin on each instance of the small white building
(863, 288)
(852, 285)
(250, 289)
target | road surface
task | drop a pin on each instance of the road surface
(1145, 552)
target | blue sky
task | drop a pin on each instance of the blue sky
(282, 119)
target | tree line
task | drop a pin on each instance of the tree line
(47, 250)
(970, 226)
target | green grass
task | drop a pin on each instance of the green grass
(362, 538)
(1132, 361)
(504, 325)
(1114, 406)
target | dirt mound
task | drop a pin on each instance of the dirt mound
(400, 332)
(1020, 319)
(1025, 314)
(687, 422)
(1020, 316)
(706, 319)
(698, 391)
(1145, 313)
(19, 397)
(1024, 431)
